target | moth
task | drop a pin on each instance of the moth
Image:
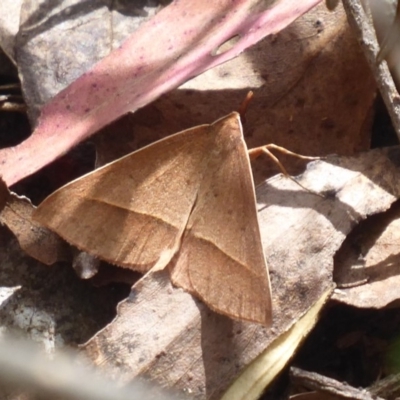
(186, 203)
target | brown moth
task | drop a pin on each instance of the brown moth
(186, 202)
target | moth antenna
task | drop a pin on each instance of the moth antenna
(245, 105)
(257, 151)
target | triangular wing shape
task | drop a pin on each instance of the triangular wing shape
(132, 212)
(221, 257)
(190, 195)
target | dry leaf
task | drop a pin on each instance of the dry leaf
(163, 334)
(263, 370)
(52, 55)
(147, 64)
(313, 93)
(9, 25)
(188, 198)
(368, 264)
(386, 21)
(37, 241)
(52, 307)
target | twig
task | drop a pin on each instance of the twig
(314, 381)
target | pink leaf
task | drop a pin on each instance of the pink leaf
(179, 43)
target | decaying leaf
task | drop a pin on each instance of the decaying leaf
(261, 372)
(367, 267)
(386, 21)
(313, 93)
(191, 207)
(146, 65)
(164, 334)
(37, 241)
(50, 56)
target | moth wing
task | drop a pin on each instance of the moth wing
(133, 211)
(221, 258)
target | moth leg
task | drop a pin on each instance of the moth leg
(257, 151)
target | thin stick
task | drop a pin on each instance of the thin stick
(314, 381)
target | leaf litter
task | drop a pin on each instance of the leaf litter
(300, 296)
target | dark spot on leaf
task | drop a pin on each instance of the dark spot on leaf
(300, 102)
(265, 77)
(161, 354)
(327, 123)
(318, 24)
(329, 194)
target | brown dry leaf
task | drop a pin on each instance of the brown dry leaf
(262, 371)
(147, 65)
(64, 39)
(313, 95)
(367, 267)
(37, 241)
(164, 334)
(51, 306)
